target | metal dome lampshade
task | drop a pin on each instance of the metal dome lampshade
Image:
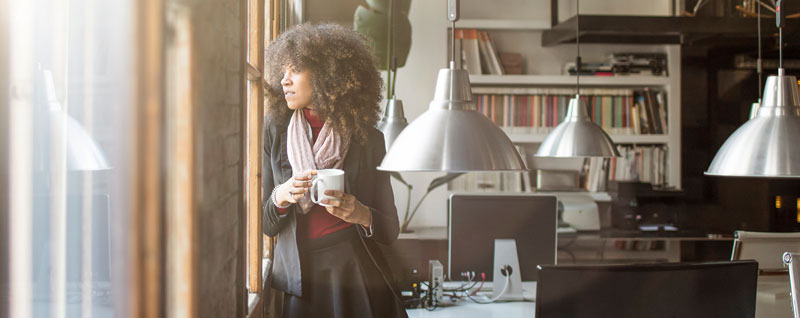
(577, 136)
(451, 136)
(392, 122)
(765, 146)
(82, 151)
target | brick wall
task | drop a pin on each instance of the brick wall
(218, 86)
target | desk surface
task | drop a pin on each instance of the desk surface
(772, 300)
(466, 309)
(440, 233)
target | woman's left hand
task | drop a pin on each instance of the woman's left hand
(348, 208)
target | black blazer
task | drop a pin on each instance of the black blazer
(362, 179)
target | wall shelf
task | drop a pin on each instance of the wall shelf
(502, 24)
(562, 80)
(656, 30)
(620, 139)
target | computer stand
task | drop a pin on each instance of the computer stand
(506, 262)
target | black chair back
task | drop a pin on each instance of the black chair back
(717, 289)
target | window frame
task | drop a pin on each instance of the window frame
(254, 114)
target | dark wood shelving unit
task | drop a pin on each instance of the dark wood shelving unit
(659, 30)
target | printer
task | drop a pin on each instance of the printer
(579, 211)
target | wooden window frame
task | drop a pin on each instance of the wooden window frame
(254, 105)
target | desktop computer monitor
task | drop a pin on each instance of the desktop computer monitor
(475, 221)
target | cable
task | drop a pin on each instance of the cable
(572, 255)
(388, 284)
(427, 299)
(575, 238)
(470, 279)
(759, 53)
(578, 46)
(505, 289)
(483, 279)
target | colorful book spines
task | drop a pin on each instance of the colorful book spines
(520, 111)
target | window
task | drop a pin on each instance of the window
(69, 122)
(265, 20)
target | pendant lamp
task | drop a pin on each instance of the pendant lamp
(451, 135)
(577, 135)
(766, 145)
(393, 120)
(82, 151)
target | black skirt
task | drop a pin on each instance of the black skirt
(341, 280)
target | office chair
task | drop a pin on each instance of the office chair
(793, 261)
(715, 289)
(766, 248)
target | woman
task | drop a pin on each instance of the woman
(323, 94)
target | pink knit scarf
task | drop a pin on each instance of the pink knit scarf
(328, 151)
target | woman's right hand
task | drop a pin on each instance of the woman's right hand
(295, 188)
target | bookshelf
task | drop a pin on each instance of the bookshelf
(501, 24)
(544, 68)
(624, 139)
(566, 81)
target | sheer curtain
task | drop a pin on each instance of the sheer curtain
(69, 104)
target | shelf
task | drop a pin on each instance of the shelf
(656, 30)
(621, 139)
(502, 24)
(561, 80)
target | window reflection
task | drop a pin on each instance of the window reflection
(70, 76)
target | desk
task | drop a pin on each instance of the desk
(769, 304)
(414, 250)
(467, 309)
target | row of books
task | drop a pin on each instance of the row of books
(640, 163)
(538, 110)
(477, 52)
(636, 163)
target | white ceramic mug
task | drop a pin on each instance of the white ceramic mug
(326, 179)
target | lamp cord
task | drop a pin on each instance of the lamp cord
(453, 44)
(578, 46)
(393, 62)
(758, 63)
(780, 20)
(453, 55)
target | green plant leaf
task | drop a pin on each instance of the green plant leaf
(397, 176)
(372, 24)
(443, 179)
(383, 6)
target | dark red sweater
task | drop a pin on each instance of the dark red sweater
(318, 222)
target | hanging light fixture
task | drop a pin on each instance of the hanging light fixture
(577, 135)
(765, 146)
(393, 120)
(83, 152)
(451, 135)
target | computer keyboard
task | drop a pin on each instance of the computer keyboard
(566, 230)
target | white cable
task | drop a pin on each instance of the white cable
(505, 289)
